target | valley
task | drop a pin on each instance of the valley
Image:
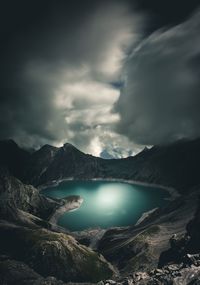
(166, 236)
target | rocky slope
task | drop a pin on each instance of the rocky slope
(46, 253)
(24, 197)
(139, 247)
(39, 162)
(162, 249)
(31, 243)
(13, 272)
(53, 254)
(179, 265)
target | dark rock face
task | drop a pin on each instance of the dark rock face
(181, 247)
(24, 197)
(173, 165)
(193, 231)
(13, 272)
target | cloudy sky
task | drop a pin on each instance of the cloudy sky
(107, 76)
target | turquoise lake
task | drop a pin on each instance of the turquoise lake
(106, 204)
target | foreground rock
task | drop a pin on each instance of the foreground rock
(177, 265)
(13, 272)
(173, 274)
(139, 248)
(28, 238)
(53, 254)
(24, 197)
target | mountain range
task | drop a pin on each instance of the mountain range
(162, 249)
(174, 165)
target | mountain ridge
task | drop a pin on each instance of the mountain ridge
(174, 165)
(167, 238)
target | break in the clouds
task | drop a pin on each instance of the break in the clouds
(160, 100)
(87, 73)
(64, 88)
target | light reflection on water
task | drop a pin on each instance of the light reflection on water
(106, 204)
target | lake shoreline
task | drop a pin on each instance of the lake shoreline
(174, 194)
(70, 203)
(74, 204)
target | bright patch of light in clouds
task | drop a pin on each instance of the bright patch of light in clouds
(81, 93)
(102, 75)
(69, 92)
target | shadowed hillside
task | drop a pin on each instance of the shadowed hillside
(174, 165)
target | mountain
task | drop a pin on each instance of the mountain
(106, 155)
(115, 153)
(175, 165)
(64, 162)
(162, 249)
(39, 161)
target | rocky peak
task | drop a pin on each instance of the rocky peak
(68, 147)
(46, 150)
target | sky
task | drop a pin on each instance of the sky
(110, 77)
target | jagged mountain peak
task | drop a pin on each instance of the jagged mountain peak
(68, 147)
(47, 147)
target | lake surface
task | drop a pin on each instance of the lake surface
(106, 204)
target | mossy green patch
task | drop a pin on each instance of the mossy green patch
(55, 254)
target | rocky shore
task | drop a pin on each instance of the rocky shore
(70, 203)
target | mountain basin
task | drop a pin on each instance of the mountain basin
(106, 204)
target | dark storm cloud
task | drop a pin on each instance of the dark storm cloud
(61, 64)
(57, 67)
(160, 101)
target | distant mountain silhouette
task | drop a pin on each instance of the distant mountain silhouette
(175, 165)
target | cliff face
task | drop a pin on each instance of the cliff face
(24, 197)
